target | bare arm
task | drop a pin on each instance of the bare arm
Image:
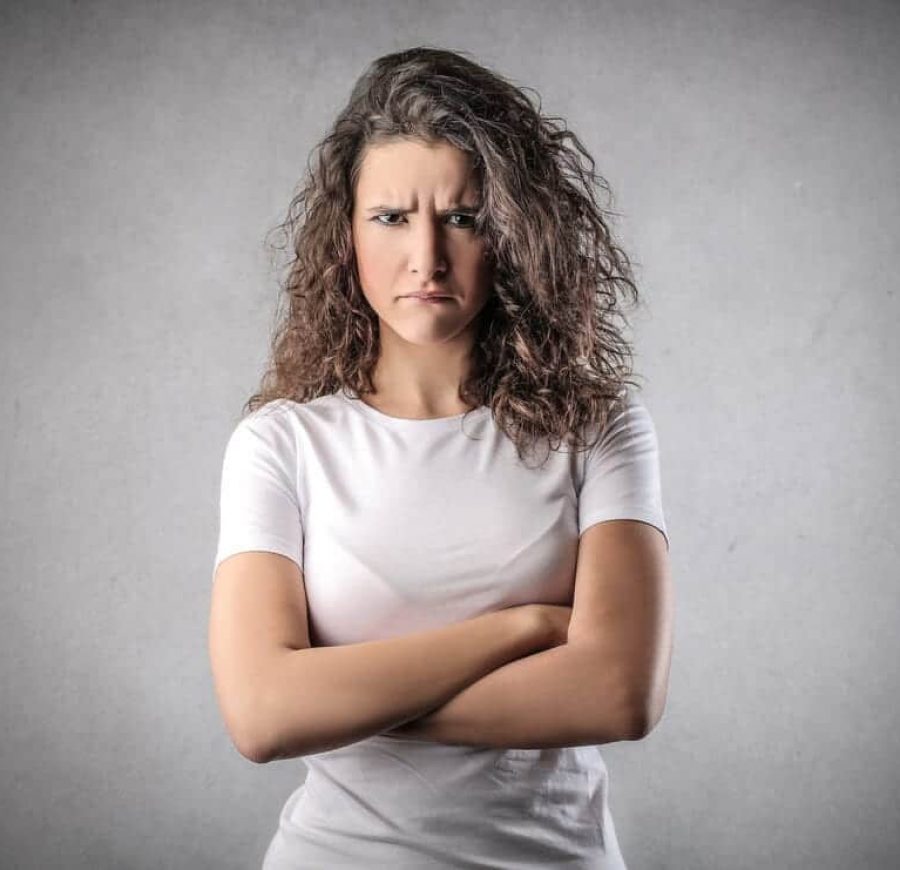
(550, 699)
(350, 692)
(282, 698)
(607, 682)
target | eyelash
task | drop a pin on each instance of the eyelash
(397, 214)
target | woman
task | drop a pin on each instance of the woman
(443, 629)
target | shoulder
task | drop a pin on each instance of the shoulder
(284, 414)
(285, 425)
(271, 428)
(271, 417)
(629, 418)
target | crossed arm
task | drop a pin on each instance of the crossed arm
(608, 682)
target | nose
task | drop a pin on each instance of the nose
(427, 256)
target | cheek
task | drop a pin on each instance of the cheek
(372, 260)
(469, 259)
(484, 269)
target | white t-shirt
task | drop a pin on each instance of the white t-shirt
(401, 525)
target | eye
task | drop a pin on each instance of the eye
(465, 217)
(394, 214)
(386, 214)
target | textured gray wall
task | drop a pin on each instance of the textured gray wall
(146, 148)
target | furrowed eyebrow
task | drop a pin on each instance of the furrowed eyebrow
(466, 209)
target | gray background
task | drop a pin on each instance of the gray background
(146, 148)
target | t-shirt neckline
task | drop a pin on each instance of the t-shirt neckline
(408, 423)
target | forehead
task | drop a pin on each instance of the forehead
(396, 167)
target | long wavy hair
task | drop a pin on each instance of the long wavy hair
(549, 357)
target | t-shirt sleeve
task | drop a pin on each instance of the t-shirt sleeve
(621, 472)
(258, 504)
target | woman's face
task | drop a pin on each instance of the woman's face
(413, 219)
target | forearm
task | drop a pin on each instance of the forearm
(556, 697)
(322, 698)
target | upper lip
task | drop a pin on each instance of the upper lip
(426, 295)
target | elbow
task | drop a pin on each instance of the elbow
(250, 731)
(249, 744)
(642, 717)
(636, 726)
(255, 706)
(265, 734)
(256, 752)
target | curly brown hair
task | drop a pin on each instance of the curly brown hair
(548, 356)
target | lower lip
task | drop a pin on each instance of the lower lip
(434, 300)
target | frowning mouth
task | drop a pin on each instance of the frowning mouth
(432, 298)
